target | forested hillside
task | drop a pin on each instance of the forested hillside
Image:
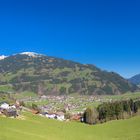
(49, 75)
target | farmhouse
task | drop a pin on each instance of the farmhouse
(4, 106)
(7, 110)
(60, 116)
(10, 112)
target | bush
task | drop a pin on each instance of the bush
(88, 116)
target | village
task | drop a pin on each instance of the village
(62, 108)
(15, 110)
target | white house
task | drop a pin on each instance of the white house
(60, 116)
(13, 106)
(7, 106)
(50, 116)
(4, 106)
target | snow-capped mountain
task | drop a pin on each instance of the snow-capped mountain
(2, 57)
(32, 54)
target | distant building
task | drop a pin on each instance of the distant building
(7, 110)
(4, 106)
(10, 112)
(76, 117)
(60, 116)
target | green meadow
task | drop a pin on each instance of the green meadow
(128, 95)
(34, 127)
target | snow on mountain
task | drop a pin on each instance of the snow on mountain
(2, 57)
(31, 54)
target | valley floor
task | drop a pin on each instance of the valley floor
(37, 128)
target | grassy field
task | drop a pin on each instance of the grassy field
(125, 96)
(38, 128)
(23, 95)
(6, 88)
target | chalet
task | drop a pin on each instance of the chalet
(7, 110)
(10, 112)
(60, 116)
(4, 106)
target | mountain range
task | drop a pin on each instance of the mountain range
(43, 74)
(135, 79)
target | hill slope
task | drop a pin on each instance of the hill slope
(135, 79)
(37, 128)
(49, 75)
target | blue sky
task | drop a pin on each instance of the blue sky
(105, 33)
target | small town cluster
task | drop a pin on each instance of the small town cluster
(61, 108)
(14, 111)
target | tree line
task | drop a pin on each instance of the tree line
(111, 111)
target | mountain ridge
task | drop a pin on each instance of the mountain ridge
(56, 76)
(135, 79)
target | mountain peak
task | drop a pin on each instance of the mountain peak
(135, 79)
(2, 57)
(31, 54)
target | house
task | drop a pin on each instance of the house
(43, 97)
(76, 117)
(50, 115)
(10, 112)
(60, 116)
(13, 106)
(35, 111)
(4, 106)
(7, 110)
(44, 113)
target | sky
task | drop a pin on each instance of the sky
(105, 33)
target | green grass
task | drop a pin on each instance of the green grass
(125, 96)
(37, 128)
(25, 94)
(6, 88)
(37, 103)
